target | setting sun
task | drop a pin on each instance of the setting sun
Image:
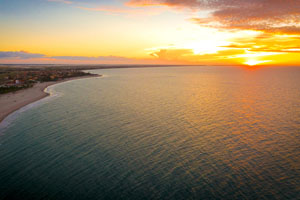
(255, 62)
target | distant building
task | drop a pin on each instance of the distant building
(18, 82)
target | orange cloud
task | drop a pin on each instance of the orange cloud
(233, 55)
(268, 43)
(188, 56)
(275, 16)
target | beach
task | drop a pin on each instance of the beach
(13, 101)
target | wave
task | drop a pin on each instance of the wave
(13, 116)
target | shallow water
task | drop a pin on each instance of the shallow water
(159, 133)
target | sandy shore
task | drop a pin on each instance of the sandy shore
(12, 102)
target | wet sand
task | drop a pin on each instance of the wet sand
(13, 101)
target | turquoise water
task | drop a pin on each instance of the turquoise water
(159, 133)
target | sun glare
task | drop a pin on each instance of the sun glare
(255, 62)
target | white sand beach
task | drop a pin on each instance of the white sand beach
(13, 101)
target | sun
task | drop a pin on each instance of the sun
(253, 62)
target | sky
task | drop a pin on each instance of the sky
(184, 32)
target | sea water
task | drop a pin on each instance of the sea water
(159, 133)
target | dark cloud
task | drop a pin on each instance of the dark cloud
(279, 16)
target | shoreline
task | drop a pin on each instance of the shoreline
(13, 101)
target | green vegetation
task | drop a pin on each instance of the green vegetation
(14, 79)
(4, 90)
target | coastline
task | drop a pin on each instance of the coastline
(13, 101)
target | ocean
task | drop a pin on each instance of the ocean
(159, 133)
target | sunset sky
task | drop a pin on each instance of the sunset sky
(215, 32)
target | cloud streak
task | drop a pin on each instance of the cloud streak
(20, 55)
(61, 1)
(98, 58)
(27, 55)
(275, 16)
(121, 10)
(272, 16)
